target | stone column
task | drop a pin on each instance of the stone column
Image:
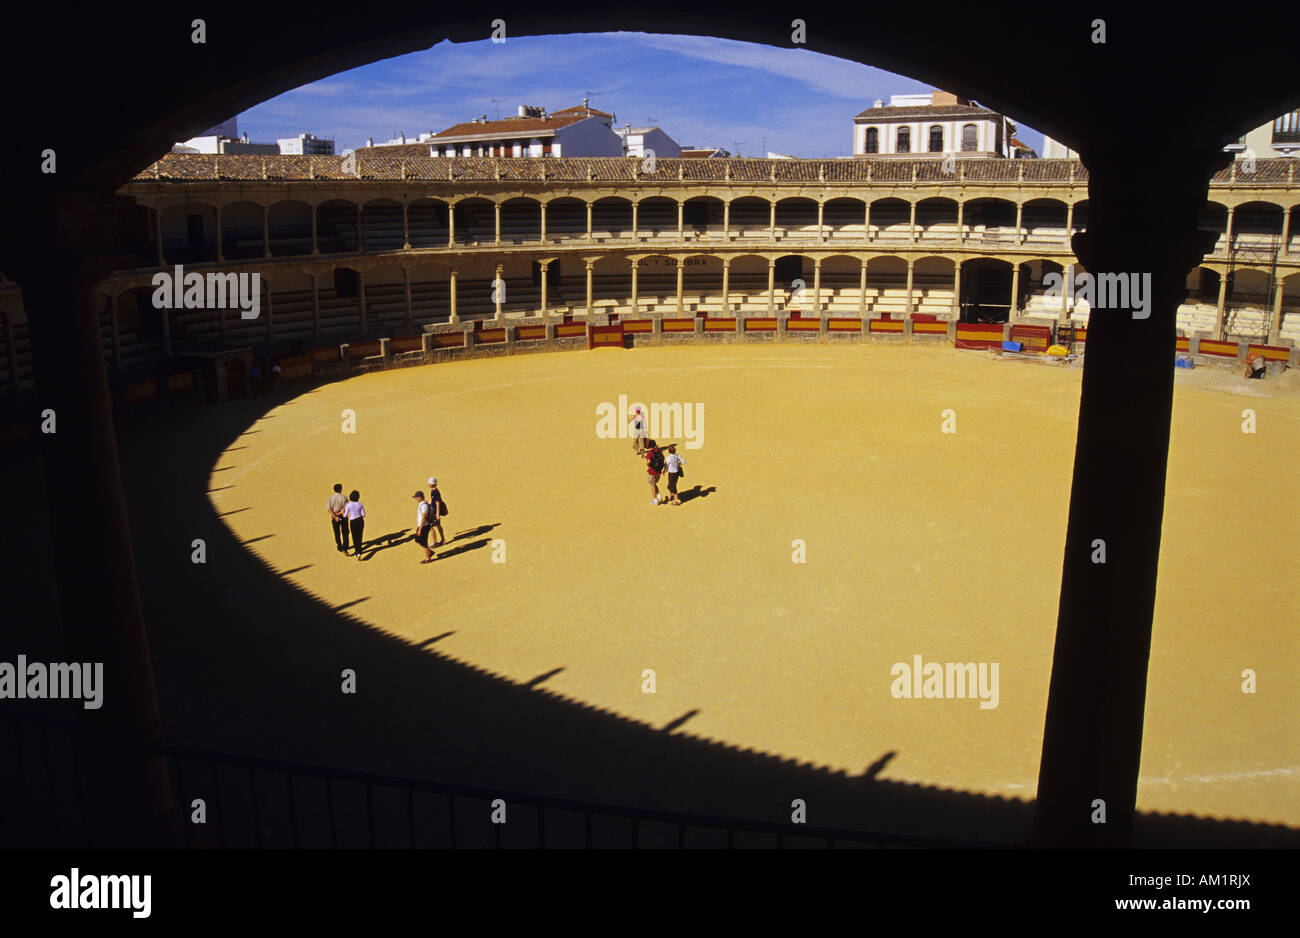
(821, 232)
(591, 266)
(66, 249)
(452, 297)
(1275, 324)
(956, 290)
(451, 224)
(406, 228)
(496, 214)
(635, 203)
(158, 231)
(1223, 296)
(543, 223)
(315, 306)
(220, 255)
(545, 267)
(634, 269)
(910, 265)
(589, 222)
(817, 286)
(498, 288)
(961, 224)
(1015, 292)
(726, 285)
(406, 284)
(1228, 230)
(1286, 230)
(726, 220)
(771, 225)
(1069, 223)
(266, 231)
(1020, 232)
(681, 276)
(361, 298)
(862, 287)
(866, 220)
(912, 222)
(771, 288)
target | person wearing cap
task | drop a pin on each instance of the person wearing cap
(638, 430)
(355, 512)
(422, 525)
(437, 508)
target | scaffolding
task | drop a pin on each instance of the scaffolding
(1255, 253)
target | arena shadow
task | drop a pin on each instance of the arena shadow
(248, 664)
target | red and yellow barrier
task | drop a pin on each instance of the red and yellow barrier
(719, 325)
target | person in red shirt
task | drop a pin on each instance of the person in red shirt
(654, 462)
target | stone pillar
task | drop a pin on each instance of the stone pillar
(496, 216)
(1275, 323)
(588, 222)
(1228, 229)
(821, 231)
(452, 297)
(386, 351)
(726, 220)
(361, 300)
(634, 213)
(908, 308)
(266, 231)
(406, 285)
(591, 268)
(406, 228)
(315, 306)
(1286, 229)
(158, 232)
(912, 221)
(862, 287)
(451, 224)
(1020, 211)
(544, 222)
(426, 346)
(866, 220)
(771, 287)
(634, 268)
(1069, 223)
(545, 267)
(961, 224)
(498, 288)
(726, 285)
(1015, 292)
(1223, 295)
(956, 290)
(681, 276)
(220, 255)
(817, 286)
(771, 225)
(681, 219)
(66, 248)
(315, 248)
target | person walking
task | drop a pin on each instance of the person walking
(654, 462)
(355, 512)
(639, 433)
(437, 510)
(676, 470)
(336, 504)
(422, 525)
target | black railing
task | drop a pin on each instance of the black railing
(239, 801)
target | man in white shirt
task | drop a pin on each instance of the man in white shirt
(422, 525)
(335, 506)
(639, 432)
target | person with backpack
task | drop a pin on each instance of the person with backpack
(654, 461)
(355, 512)
(423, 525)
(437, 511)
(676, 471)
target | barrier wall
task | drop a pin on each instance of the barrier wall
(979, 335)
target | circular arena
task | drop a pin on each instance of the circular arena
(847, 511)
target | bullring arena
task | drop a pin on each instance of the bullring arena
(874, 480)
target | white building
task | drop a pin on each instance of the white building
(575, 131)
(934, 123)
(306, 145)
(1277, 138)
(224, 138)
(636, 140)
(1056, 150)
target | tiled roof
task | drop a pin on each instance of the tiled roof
(583, 111)
(508, 126)
(381, 163)
(926, 111)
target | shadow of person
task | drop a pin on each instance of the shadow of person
(385, 541)
(696, 492)
(475, 532)
(464, 548)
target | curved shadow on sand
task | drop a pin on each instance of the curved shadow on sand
(248, 663)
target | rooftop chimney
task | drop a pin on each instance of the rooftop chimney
(523, 110)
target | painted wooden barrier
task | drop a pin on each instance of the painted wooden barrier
(761, 324)
(719, 325)
(1033, 338)
(979, 335)
(605, 336)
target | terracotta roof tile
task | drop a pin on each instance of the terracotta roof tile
(926, 111)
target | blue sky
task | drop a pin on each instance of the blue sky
(701, 91)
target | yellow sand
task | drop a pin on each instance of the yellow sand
(918, 542)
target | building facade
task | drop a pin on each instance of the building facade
(936, 123)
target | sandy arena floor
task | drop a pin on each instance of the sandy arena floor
(918, 542)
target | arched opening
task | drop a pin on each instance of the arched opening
(189, 231)
(337, 227)
(702, 218)
(289, 228)
(656, 284)
(747, 284)
(990, 221)
(1043, 221)
(657, 219)
(840, 287)
(796, 219)
(381, 225)
(891, 220)
(886, 293)
(751, 218)
(936, 219)
(428, 222)
(985, 290)
(521, 221)
(844, 219)
(611, 219)
(475, 221)
(241, 231)
(932, 288)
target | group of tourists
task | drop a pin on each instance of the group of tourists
(658, 461)
(348, 516)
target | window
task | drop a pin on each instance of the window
(969, 138)
(1286, 129)
(936, 139)
(873, 141)
(904, 140)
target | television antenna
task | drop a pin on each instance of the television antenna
(736, 144)
(497, 102)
